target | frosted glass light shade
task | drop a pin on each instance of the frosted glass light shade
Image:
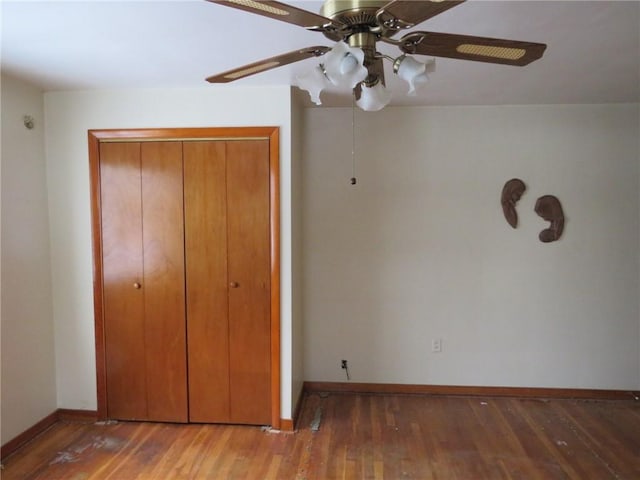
(313, 81)
(374, 98)
(413, 72)
(344, 66)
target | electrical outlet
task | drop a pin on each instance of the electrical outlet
(436, 345)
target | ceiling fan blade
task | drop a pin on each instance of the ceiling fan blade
(268, 64)
(467, 47)
(401, 14)
(283, 12)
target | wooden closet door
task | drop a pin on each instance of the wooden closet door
(164, 277)
(143, 276)
(228, 281)
(123, 307)
(249, 280)
(207, 285)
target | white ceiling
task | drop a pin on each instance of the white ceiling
(593, 53)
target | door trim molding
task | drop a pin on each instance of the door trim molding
(95, 137)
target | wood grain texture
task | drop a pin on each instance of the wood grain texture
(520, 392)
(207, 282)
(96, 241)
(76, 415)
(165, 342)
(170, 134)
(61, 414)
(360, 436)
(249, 268)
(122, 260)
(29, 434)
(274, 232)
(143, 280)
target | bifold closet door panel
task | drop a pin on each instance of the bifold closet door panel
(249, 274)
(186, 259)
(163, 284)
(207, 283)
(123, 307)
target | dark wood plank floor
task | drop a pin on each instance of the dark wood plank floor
(360, 436)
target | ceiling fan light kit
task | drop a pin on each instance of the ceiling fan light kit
(373, 98)
(344, 66)
(354, 63)
(413, 72)
(313, 81)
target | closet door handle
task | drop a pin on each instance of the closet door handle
(137, 286)
(234, 284)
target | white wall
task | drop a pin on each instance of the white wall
(28, 359)
(297, 359)
(68, 117)
(419, 248)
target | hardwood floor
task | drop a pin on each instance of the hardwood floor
(359, 436)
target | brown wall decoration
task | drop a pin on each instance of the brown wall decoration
(549, 208)
(511, 193)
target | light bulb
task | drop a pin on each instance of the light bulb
(344, 66)
(348, 64)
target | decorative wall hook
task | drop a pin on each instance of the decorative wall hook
(549, 208)
(28, 122)
(511, 193)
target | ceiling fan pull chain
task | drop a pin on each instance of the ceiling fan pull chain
(353, 141)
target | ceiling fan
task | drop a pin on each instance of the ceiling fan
(356, 26)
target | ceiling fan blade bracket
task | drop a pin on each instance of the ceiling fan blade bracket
(315, 51)
(409, 43)
(402, 14)
(390, 24)
(330, 28)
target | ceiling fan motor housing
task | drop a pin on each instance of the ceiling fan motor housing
(352, 12)
(357, 15)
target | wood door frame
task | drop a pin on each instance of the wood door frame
(95, 137)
